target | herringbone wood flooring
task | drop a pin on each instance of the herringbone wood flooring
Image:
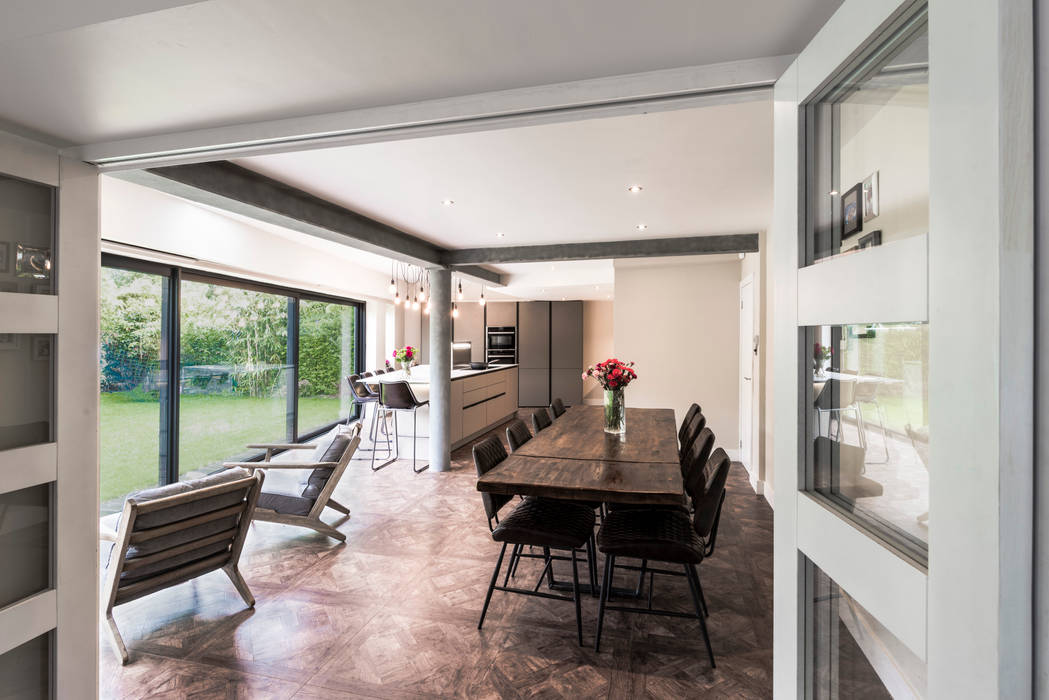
(392, 613)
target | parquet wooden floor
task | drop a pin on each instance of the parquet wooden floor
(392, 613)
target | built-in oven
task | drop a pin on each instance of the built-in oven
(501, 345)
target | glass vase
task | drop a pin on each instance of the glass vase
(406, 365)
(615, 412)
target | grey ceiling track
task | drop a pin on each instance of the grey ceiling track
(642, 248)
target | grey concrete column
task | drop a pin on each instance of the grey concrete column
(440, 369)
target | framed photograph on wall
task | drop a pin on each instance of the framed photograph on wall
(851, 214)
(870, 196)
(871, 240)
(41, 347)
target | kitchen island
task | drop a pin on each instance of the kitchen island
(481, 398)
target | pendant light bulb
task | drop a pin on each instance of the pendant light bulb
(426, 309)
(455, 311)
(422, 295)
(397, 299)
(393, 287)
(460, 290)
(481, 302)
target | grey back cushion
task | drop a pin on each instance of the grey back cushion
(166, 516)
(319, 477)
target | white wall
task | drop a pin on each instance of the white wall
(598, 342)
(753, 266)
(680, 324)
(889, 133)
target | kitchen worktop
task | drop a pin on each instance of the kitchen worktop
(421, 374)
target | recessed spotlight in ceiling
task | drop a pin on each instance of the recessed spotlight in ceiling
(641, 227)
(563, 298)
(634, 189)
(833, 193)
(742, 255)
(447, 202)
(500, 235)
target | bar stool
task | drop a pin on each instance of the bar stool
(397, 397)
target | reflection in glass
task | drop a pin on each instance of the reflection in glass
(26, 385)
(26, 237)
(868, 424)
(327, 355)
(132, 383)
(25, 671)
(234, 374)
(850, 654)
(25, 543)
(868, 151)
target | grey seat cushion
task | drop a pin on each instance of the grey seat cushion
(188, 510)
(285, 503)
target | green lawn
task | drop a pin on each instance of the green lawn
(212, 429)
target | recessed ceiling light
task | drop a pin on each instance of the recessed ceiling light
(833, 193)
(553, 267)
(742, 255)
(641, 227)
(447, 202)
(542, 291)
(634, 189)
(597, 286)
(500, 234)
(563, 298)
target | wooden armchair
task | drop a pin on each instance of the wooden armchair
(168, 535)
(301, 503)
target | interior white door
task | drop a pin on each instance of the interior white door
(746, 371)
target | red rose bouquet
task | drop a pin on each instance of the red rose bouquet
(612, 374)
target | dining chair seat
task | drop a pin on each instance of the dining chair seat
(542, 522)
(665, 535)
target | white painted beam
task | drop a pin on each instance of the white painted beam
(24, 18)
(676, 88)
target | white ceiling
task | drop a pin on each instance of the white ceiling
(234, 61)
(704, 171)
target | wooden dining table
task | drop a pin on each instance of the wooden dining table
(575, 459)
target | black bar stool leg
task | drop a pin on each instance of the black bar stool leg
(415, 440)
(693, 583)
(641, 578)
(609, 558)
(491, 586)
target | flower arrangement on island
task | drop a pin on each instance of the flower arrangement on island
(613, 375)
(405, 357)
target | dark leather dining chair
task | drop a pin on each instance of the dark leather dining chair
(541, 420)
(695, 426)
(536, 522)
(517, 434)
(398, 397)
(668, 536)
(682, 432)
(557, 408)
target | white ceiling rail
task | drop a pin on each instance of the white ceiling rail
(676, 88)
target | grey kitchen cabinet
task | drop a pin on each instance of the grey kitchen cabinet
(533, 387)
(470, 326)
(533, 352)
(502, 313)
(566, 351)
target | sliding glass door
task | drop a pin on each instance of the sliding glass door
(328, 350)
(234, 375)
(246, 363)
(133, 386)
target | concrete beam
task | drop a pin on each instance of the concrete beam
(643, 248)
(234, 188)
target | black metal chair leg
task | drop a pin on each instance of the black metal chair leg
(641, 578)
(550, 568)
(702, 598)
(491, 586)
(513, 562)
(575, 596)
(607, 584)
(693, 584)
(591, 561)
